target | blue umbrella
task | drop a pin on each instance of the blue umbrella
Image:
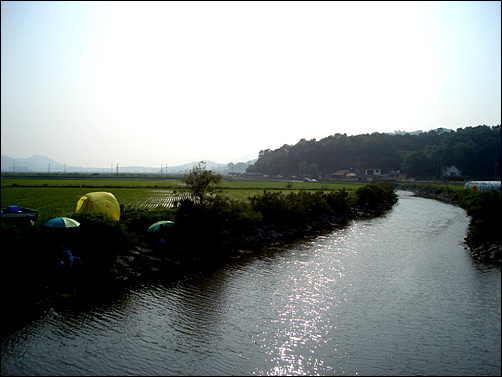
(62, 222)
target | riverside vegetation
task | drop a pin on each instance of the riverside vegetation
(209, 227)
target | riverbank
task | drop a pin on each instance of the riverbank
(39, 282)
(148, 260)
(483, 240)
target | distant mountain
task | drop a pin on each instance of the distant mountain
(34, 163)
(42, 164)
(210, 165)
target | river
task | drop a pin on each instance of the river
(393, 295)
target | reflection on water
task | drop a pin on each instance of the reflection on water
(396, 295)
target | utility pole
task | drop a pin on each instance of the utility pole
(495, 170)
(359, 175)
(441, 167)
(299, 164)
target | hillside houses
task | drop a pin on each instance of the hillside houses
(343, 175)
(376, 174)
(368, 175)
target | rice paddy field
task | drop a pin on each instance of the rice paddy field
(58, 197)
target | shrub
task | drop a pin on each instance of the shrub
(24, 247)
(485, 210)
(28, 255)
(213, 220)
(136, 221)
(338, 201)
(375, 194)
(98, 240)
(296, 206)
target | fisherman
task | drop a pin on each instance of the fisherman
(69, 260)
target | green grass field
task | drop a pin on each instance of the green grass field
(58, 197)
(170, 184)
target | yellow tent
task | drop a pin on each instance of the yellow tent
(99, 202)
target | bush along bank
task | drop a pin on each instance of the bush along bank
(483, 239)
(204, 233)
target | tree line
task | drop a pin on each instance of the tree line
(476, 151)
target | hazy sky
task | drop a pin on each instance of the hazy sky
(155, 83)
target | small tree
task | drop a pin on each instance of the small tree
(199, 181)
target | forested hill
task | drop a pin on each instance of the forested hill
(475, 151)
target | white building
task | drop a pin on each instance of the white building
(452, 171)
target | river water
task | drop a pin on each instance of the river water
(394, 295)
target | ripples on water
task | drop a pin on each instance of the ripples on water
(396, 295)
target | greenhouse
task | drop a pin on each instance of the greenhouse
(483, 185)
